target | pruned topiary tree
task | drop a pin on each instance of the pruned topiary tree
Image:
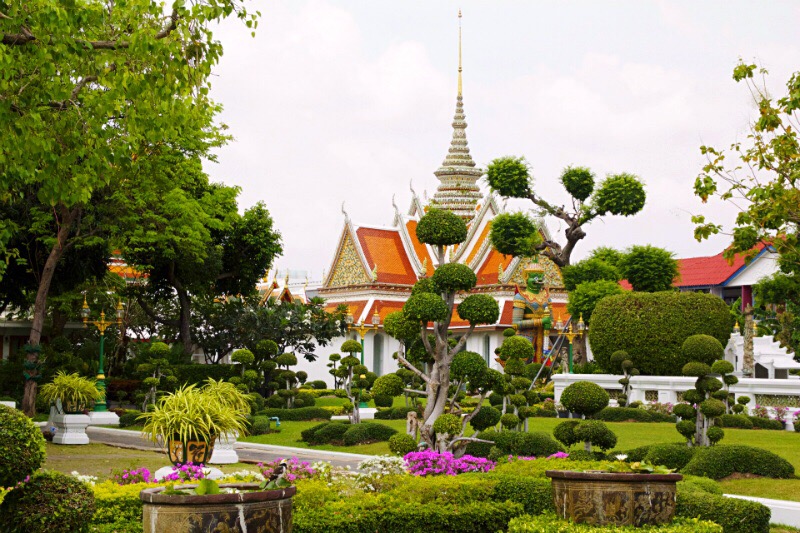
(620, 360)
(586, 399)
(430, 307)
(352, 376)
(703, 351)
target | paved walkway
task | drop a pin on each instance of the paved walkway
(249, 452)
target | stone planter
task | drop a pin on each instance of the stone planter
(224, 452)
(601, 498)
(194, 451)
(253, 511)
(70, 429)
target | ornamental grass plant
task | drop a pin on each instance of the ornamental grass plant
(76, 393)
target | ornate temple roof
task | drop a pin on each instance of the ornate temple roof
(458, 190)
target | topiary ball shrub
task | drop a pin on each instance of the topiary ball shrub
(447, 424)
(674, 456)
(565, 432)
(718, 462)
(535, 444)
(509, 420)
(383, 400)
(712, 408)
(22, 445)
(702, 348)
(652, 327)
(715, 434)
(453, 277)
(487, 417)
(585, 398)
(401, 444)
(441, 227)
(736, 421)
(366, 432)
(128, 419)
(50, 502)
(596, 433)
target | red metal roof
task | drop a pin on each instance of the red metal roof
(707, 271)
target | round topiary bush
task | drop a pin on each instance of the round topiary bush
(441, 227)
(565, 432)
(715, 434)
(22, 445)
(736, 421)
(487, 417)
(702, 348)
(426, 307)
(652, 327)
(686, 428)
(674, 456)
(585, 398)
(535, 444)
(479, 309)
(517, 347)
(383, 400)
(596, 433)
(447, 424)
(50, 502)
(402, 444)
(685, 411)
(453, 277)
(509, 420)
(712, 408)
(721, 461)
(695, 369)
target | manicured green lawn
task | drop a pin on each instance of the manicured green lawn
(101, 460)
(776, 489)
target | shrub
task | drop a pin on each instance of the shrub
(318, 384)
(765, 423)
(299, 414)
(495, 399)
(367, 432)
(535, 444)
(699, 484)
(487, 417)
(431, 463)
(583, 455)
(652, 327)
(50, 502)
(624, 414)
(674, 456)
(596, 433)
(736, 421)
(715, 434)
(402, 444)
(130, 418)
(333, 431)
(261, 426)
(550, 523)
(117, 504)
(509, 420)
(534, 494)
(22, 445)
(638, 454)
(702, 348)
(198, 373)
(734, 515)
(721, 461)
(304, 399)
(584, 397)
(565, 432)
(447, 424)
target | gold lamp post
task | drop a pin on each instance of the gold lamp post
(362, 330)
(570, 334)
(101, 325)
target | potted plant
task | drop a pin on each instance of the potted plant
(634, 494)
(71, 394)
(208, 506)
(188, 421)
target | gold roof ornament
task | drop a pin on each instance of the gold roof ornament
(500, 273)
(374, 273)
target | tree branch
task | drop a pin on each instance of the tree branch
(152, 314)
(415, 391)
(414, 369)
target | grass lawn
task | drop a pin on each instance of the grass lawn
(101, 460)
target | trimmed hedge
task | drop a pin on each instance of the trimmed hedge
(734, 515)
(130, 418)
(766, 423)
(395, 413)
(550, 523)
(198, 373)
(635, 454)
(301, 414)
(631, 414)
(674, 456)
(736, 421)
(721, 461)
(651, 327)
(367, 432)
(534, 494)
(536, 443)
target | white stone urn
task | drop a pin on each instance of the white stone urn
(70, 429)
(224, 452)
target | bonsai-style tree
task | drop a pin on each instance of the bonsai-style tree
(725, 371)
(649, 268)
(159, 375)
(702, 351)
(517, 234)
(515, 386)
(433, 302)
(386, 388)
(287, 377)
(585, 398)
(334, 358)
(619, 359)
(352, 376)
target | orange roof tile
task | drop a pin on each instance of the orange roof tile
(384, 248)
(384, 308)
(487, 273)
(420, 249)
(506, 313)
(479, 242)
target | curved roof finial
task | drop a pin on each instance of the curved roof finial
(346, 216)
(411, 187)
(394, 204)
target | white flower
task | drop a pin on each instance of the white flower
(621, 457)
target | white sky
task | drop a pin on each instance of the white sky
(348, 101)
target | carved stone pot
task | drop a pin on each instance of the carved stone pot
(249, 511)
(601, 498)
(194, 451)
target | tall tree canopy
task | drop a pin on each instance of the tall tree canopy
(91, 89)
(517, 234)
(649, 268)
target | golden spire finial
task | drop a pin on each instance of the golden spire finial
(459, 52)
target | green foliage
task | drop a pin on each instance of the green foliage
(534, 494)
(400, 327)
(290, 359)
(129, 418)
(48, 502)
(479, 309)
(487, 417)
(715, 434)
(652, 327)
(453, 277)
(75, 392)
(734, 515)
(550, 523)
(426, 307)
(686, 428)
(649, 268)
(629, 414)
(509, 420)
(684, 410)
(367, 432)
(584, 397)
(22, 444)
(620, 194)
(596, 433)
(509, 176)
(440, 227)
(702, 348)
(325, 433)
(515, 234)
(388, 385)
(195, 374)
(565, 432)
(351, 346)
(517, 347)
(534, 444)
(721, 366)
(712, 408)
(578, 182)
(245, 357)
(696, 369)
(401, 444)
(766, 423)
(736, 421)
(299, 414)
(583, 300)
(718, 462)
(447, 424)
(591, 269)
(674, 456)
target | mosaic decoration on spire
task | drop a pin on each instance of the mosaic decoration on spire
(348, 269)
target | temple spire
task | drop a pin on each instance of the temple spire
(458, 190)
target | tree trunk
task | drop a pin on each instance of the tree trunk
(184, 319)
(40, 307)
(748, 356)
(587, 445)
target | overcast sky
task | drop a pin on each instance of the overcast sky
(350, 101)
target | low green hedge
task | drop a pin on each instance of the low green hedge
(733, 514)
(198, 373)
(367, 432)
(675, 456)
(766, 423)
(721, 461)
(534, 494)
(550, 523)
(394, 413)
(297, 415)
(535, 443)
(130, 418)
(736, 421)
(325, 433)
(631, 414)
(635, 454)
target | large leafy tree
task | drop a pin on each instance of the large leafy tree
(649, 268)
(90, 89)
(517, 234)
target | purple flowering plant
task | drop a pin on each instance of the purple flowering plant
(180, 472)
(431, 463)
(295, 469)
(133, 475)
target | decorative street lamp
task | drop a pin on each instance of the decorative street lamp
(570, 335)
(101, 325)
(362, 329)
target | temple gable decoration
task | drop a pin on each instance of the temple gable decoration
(348, 267)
